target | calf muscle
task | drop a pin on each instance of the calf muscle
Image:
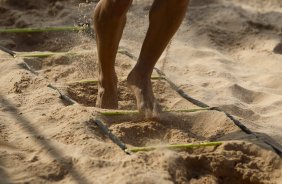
(109, 23)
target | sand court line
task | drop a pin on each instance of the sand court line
(175, 146)
(95, 81)
(162, 75)
(84, 27)
(135, 112)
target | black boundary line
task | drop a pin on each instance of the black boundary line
(14, 55)
(8, 51)
(24, 64)
(110, 135)
(62, 96)
(180, 91)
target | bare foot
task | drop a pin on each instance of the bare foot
(107, 94)
(142, 88)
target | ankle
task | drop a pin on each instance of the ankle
(109, 82)
(140, 73)
(107, 88)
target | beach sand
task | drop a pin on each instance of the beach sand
(226, 54)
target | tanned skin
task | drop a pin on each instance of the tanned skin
(109, 21)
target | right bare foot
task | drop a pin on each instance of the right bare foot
(141, 86)
(107, 94)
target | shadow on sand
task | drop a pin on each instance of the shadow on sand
(26, 125)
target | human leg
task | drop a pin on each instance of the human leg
(165, 19)
(109, 22)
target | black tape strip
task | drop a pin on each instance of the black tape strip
(29, 68)
(62, 96)
(111, 136)
(8, 51)
(180, 91)
(14, 55)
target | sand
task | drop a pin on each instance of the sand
(226, 54)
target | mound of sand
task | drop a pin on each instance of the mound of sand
(225, 54)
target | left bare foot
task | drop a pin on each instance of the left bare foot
(107, 93)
